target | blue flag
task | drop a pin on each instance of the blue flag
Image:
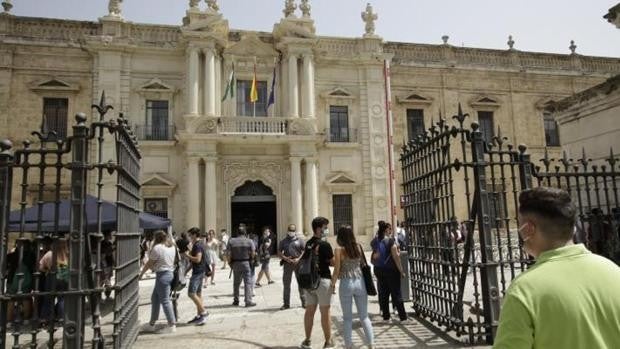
(272, 95)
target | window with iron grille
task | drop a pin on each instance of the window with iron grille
(156, 120)
(415, 123)
(343, 210)
(485, 120)
(244, 106)
(339, 124)
(55, 112)
(552, 137)
(157, 207)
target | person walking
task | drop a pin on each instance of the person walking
(212, 248)
(264, 257)
(56, 279)
(569, 298)
(347, 261)
(388, 270)
(161, 262)
(223, 246)
(197, 256)
(322, 296)
(291, 248)
(241, 253)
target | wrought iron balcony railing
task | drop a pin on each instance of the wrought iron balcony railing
(155, 132)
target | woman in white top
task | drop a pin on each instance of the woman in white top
(213, 246)
(161, 261)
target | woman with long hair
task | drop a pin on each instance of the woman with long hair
(264, 256)
(161, 261)
(389, 271)
(212, 246)
(348, 257)
(55, 265)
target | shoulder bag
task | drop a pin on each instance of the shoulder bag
(371, 290)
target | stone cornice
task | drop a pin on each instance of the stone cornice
(597, 92)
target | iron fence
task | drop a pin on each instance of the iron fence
(56, 274)
(461, 196)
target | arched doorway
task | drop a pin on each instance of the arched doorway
(255, 205)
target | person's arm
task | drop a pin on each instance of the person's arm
(194, 259)
(45, 264)
(148, 265)
(337, 261)
(516, 328)
(396, 257)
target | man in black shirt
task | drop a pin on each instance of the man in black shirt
(322, 296)
(194, 290)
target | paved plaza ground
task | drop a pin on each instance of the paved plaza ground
(265, 326)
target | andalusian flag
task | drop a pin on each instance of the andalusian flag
(254, 90)
(230, 87)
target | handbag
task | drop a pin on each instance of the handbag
(371, 290)
(176, 284)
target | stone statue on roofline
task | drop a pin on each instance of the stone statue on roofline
(114, 8)
(193, 4)
(369, 17)
(305, 8)
(212, 5)
(289, 8)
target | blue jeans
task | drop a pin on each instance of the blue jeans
(354, 288)
(161, 297)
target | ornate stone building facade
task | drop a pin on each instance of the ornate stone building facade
(210, 160)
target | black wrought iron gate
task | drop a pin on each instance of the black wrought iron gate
(461, 194)
(53, 277)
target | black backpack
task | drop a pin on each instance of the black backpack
(308, 274)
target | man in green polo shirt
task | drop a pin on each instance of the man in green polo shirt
(570, 298)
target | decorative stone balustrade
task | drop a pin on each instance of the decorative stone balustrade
(253, 125)
(51, 29)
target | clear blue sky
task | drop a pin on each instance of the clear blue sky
(537, 25)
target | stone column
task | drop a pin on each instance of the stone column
(218, 86)
(193, 196)
(311, 197)
(296, 208)
(308, 88)
(192, 81)
(210, 193)
(293, 88)
(209, 90)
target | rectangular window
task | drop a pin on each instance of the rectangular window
(244, 106)
(343, 210)
(157, 207)
(339, 124)
(552, 137)
(485, 119)
(156, 127)
(415, 123)
(55, 111)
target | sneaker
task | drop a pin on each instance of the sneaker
(148, 328)
(271, 282)
(201, 321)
(212, 282)
(194, 320)
(249, 305)
(284, 307)
(235, 303)
(204, 313)
(168, 329)
(257, 285)
(329, 344)
(306, 344)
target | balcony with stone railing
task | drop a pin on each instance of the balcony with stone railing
(252, 125)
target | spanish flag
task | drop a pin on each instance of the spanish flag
(254, 90)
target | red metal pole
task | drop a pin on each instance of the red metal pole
(390, 143)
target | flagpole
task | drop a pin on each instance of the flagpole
(254, 85)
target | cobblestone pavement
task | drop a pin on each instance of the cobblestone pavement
(265, 326)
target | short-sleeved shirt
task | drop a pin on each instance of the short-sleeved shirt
(568, 299)
(292, 247)
(326, 253)
(240, 249)
(163, 257)
(198, 268)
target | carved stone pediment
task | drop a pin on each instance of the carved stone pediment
(250, 45)
(338, 92)
(341, 182)
(157, 181)
(156, 85)
(415, 98)
(485, 102)
(294, 27)
(54, 84)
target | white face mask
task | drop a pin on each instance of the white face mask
(291, 233)
(325, 233)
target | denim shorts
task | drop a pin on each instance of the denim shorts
(195, 284)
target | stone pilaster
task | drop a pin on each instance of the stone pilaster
(311, 198)
(308, 103)
(293, 87)
(192, 80)
(296, 199)
(209, 88)
(210, 193)
(192, 212)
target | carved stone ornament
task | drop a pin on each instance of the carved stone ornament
(193, 4)
(237, 172)
(305, 8)
(295, 28)
(7, 6)
(289, 8)
(212, 5)
(300, 127)
(114, 8)
(369, 17)
(207, 126)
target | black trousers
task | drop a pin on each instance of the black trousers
(388, 284)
